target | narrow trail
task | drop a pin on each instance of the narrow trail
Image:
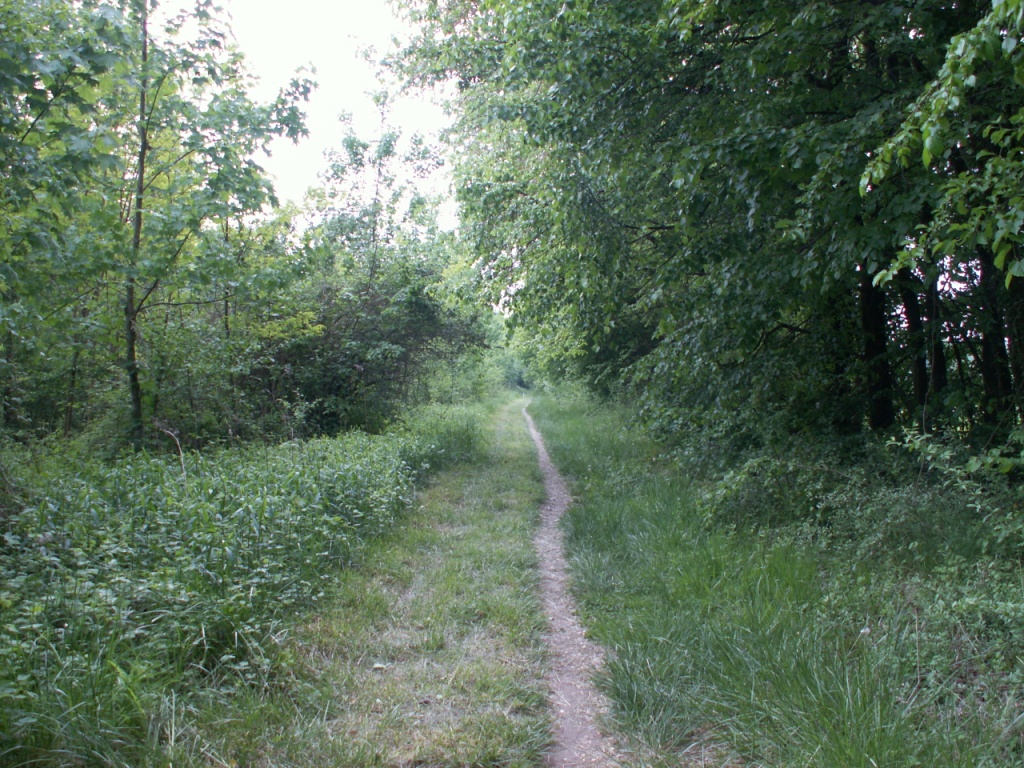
(578, 705)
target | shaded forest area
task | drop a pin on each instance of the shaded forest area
(151, 288)
(784, 236)
(803, 214)
(789, 235)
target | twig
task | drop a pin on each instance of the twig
(181, 456)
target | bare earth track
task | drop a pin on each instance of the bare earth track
(578, 705)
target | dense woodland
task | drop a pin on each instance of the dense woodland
(799, 212)
(800, 215)
(785, 236)
(788, 235)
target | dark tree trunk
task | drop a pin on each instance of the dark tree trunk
(1015, 331)
(938, 368)
(69, 406)
(881, 413)
(131, 365)
(7, 368)
(995, 361)
(131, 308)
(958, 346)
(917, 344)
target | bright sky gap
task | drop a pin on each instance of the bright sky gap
(280, 38)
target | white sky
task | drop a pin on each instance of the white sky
(279, 36)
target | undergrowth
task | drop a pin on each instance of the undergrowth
(806, 604)
(133, 586)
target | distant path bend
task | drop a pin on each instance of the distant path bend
(577, 704)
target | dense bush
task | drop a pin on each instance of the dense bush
(126, 585)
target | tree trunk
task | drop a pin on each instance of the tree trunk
(995, 362)
(136, 432)
(10, 413)
(69, 406)
(881, 413)
(131, 309)
(1015, 328)
(938, 368)
(917, 344)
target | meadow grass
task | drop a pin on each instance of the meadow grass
(737, 638)
(429, 652)
(143, 596)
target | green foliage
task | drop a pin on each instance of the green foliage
(370, 317)
(127, 237)
(148, 578)
(148, 293)
(830, 602)
(437, 436)
(665, 196)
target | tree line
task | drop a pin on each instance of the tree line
(150, 284)
(791, 212)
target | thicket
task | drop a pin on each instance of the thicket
(135, 590)
(835, 604)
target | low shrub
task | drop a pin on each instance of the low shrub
(436, 436)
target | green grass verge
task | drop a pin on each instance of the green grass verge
(430, 652)
(745, 639)
(137, 593)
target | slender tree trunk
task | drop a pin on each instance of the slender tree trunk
(136, 432)
(938, 368)
(881, 413)
(1015, 328)
(917, 344)
(227, 293)
(957, 346)
(995, 362)
(131, 309)
(10, 414)
(69, 406)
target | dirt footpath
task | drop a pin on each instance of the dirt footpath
(577, 705)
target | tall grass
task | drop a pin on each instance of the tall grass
(128, 586)
(759, 641)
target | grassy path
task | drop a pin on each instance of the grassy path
(724, 652)
(432, 653)
(730, 648)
